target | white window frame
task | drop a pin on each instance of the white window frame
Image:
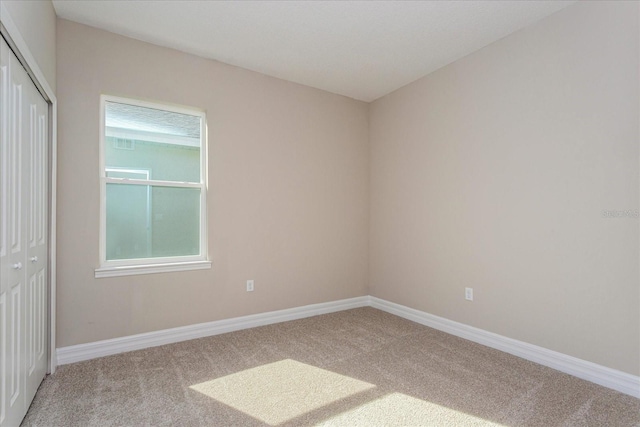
(126, 267)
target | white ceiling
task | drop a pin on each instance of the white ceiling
(360, 49)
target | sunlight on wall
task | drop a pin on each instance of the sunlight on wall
(281, 391)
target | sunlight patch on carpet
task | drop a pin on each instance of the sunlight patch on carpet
(277, 392)
(398, 409)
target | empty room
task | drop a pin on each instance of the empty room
(340, 213)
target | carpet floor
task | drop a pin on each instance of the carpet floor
(360, 367)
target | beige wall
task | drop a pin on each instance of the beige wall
(36, 21)
(491, 173)
(287, 200)
(494, 173)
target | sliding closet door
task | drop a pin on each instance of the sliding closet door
(36, 210)
(23, 238)
(12, 290)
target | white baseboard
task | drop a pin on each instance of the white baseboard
(611, 378)
(607, 377)
(80, 352)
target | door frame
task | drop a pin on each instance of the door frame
(10, 32)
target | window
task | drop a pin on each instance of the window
(152, 188)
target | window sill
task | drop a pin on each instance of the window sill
(132, 270)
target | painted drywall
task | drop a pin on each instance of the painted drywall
(287, 195)
(514, 171)
(36, 21)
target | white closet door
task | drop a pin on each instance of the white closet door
(37, 245)
(12, 289)
(23, 238)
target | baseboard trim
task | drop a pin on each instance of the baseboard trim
(81, 352)
(607, 377)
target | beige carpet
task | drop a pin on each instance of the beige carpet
(360, 367)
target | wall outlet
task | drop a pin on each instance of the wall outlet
(468, 294)
(249, 285)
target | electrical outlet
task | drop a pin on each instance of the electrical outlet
(468, 294)
(249, 285)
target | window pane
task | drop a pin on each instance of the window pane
(165, 143)
(128, 221)
(149, 222)
(127, 173)
(176, 221)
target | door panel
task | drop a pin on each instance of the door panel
(4, 224)
(13, 274)
(23, 238)
(36, 260)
